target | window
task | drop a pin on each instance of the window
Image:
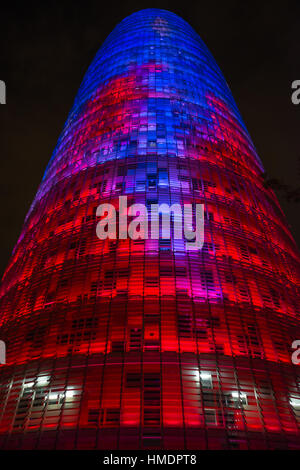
(206, 380)
(119, 186)
(113, 416)
(238, 398)
(93, 416)
(207, 279)
(295, 402)
(164, 245)
(122, 170)
(210, 417)
(133, 380)
(117, 346)
(135, 340)
(152, 182)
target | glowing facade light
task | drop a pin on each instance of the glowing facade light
(206, 379)
(240, 397)
(28, 385)
(205, 375)
(53, 396)
(42, 381)
(295, 402)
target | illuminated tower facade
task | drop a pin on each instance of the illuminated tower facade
(127, 344)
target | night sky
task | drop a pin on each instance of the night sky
(46, 48)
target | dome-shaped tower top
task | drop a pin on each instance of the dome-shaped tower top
(155, 56)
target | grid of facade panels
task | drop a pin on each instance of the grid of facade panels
(128, 344)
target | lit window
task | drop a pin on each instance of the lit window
(295, 402)
(239, 398)
(53, 397)
(206, 379)
(42, 381)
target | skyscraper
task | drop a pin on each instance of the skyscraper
(142, 343)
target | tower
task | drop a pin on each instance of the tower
(142, 343)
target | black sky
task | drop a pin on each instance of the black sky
(46, 48)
